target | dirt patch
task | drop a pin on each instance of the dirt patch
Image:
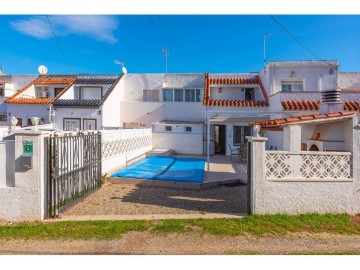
(114, 199)
(356, 218)
(189, 243)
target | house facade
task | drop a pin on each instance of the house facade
(183, 108)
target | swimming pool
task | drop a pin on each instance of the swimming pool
(165, 168)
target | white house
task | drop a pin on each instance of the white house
(9, 84)
(70, 102)
(91, 102)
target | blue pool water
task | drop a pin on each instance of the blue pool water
(165, 168)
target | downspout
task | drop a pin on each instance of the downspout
(208, 141)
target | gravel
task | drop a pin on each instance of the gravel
(114, 199)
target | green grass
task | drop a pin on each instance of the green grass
(260, 225)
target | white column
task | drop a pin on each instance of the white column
(257, 167)
(292, 139)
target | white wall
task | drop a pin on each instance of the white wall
(25, 200)
(74, 112)
(7, 163)
(298, 196)
(114, 155)
(26, 111)
(111, 107)
(71, 93)
(134, 109)
(349, 80)
(179, 142)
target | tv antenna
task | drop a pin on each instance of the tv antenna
(166, 54)
(266, 37)
(123, 68)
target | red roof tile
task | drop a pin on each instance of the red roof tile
(42, 80)
(313, 105)
(304, 119)
(239, 103)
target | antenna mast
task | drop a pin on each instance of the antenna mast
(265, 37)
(166, 54)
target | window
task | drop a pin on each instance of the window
(2, 90)
(190, 95)
(249, 93)
(287, 86)
(199, 95)
(188, 129)
(41, 92)
(168, 128)
(240, 133)
(151, 95)
(3, 117)
(179, 95)
(91, 92)
(168, 95)
(58, 90)
(89, 124)
(71, 124)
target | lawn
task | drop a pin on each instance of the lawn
(260, 225)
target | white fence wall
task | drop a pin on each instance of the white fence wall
(121, 146)
(297, 183)
(7, 163)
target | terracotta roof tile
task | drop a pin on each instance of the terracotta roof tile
(304, 119)
(239, 103)
(68, 80)
(312, 105)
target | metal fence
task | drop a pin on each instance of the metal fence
(73, 169)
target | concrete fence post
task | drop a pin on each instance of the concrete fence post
(30, 181)
(257, 169)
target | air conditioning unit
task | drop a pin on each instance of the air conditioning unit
(42, 93)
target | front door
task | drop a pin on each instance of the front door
(220, 139)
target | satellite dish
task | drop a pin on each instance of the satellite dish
(43, 70)
(124, 70)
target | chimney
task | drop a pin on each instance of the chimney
(331, 101)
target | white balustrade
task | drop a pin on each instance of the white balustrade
(283, 165)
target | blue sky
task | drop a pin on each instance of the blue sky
(196, 43)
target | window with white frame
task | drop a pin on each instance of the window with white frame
(71, 124)
(181, 95)
(178, 95)
(151, 95)
(292, 85)
(188, 129)
(168, 95)
(168, 128)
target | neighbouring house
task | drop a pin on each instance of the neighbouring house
(92, 102)
(69, 102)
(9, 84)
(36, 98)
(295, 88)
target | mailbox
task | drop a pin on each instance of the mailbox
(26, 157)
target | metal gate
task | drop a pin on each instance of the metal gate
(249, 182)
(73, 169)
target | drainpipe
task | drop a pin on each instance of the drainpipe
(208, 142)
